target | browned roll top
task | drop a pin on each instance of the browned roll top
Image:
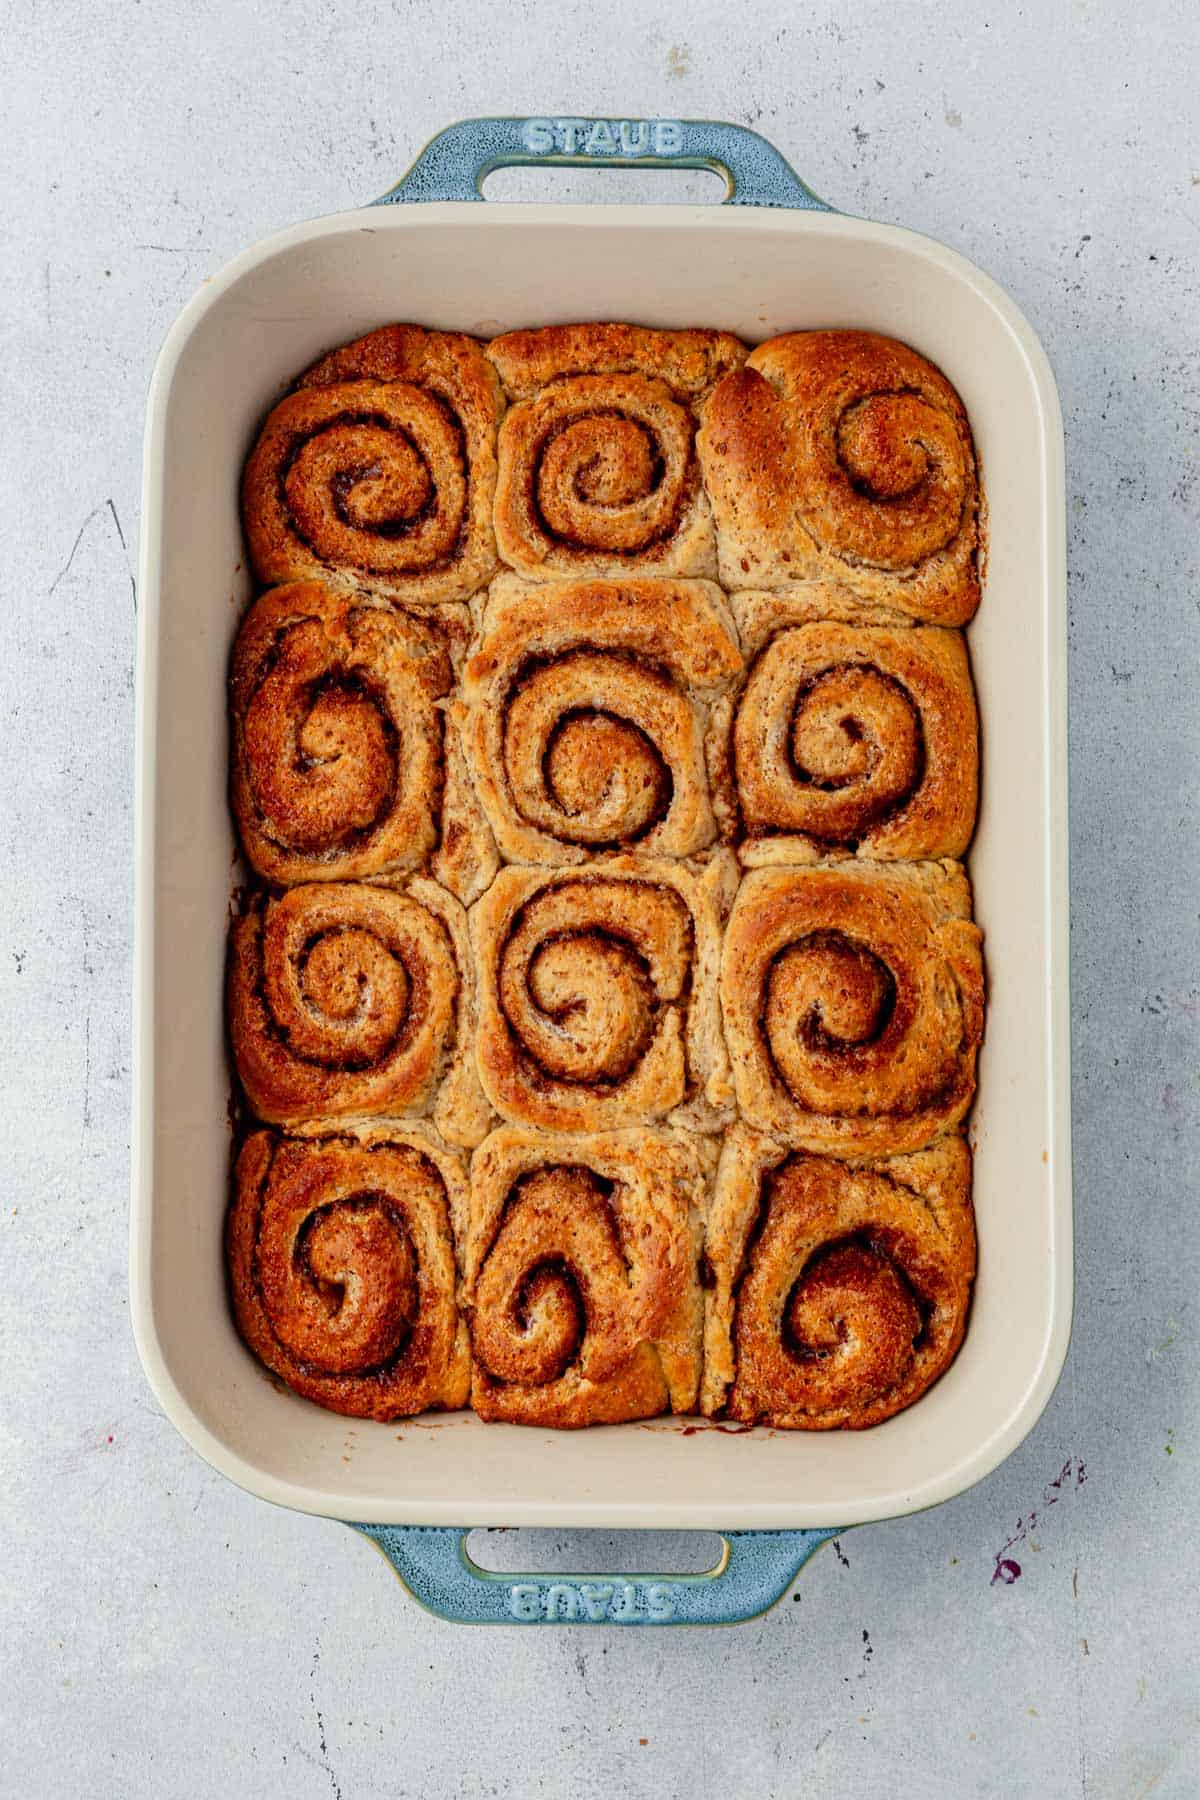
(597, 999)
(337, 737)
(585, 710)
(342, 1270)
(380, 468)
(597, 466)
(584, 1302)
(849, 740)
(853, 1004)
(852, 1292)
(605, 467)
(555, 1263)
(847, 457)
(586, 972)
(345, 999)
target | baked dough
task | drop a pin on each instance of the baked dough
(347, 1000)
(597, 994)
(342, 1267)
(584, 713)
(565, 855)
(582, 1284)
(845, 458)
(597, 463)
(380, 470)
(342, 764)
(839, 1291)
(853, 1004)
(849, 740)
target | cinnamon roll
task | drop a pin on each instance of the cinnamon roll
(845, 458)
(597, 994)
(380, 469)
(852, 999)
(351, 1000)
(850, 740)
(339, 754)
(584, 712)
(839, 1290)
(597, 463)
(582, 1282)
(342, 1268)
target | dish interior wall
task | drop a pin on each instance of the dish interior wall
(501, 268)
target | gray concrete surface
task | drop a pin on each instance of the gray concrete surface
(165, 1635)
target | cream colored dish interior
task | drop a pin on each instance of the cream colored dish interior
(486, 269)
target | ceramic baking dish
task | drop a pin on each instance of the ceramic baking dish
(485, 268)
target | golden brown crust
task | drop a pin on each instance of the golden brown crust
(348, 1000)
(581, 1276)
(582, 756)
(380, 469)
(342, 1267)
(597, 466)
(852, 999)
(850, 741)
(338, 744)
(845, 458)
(839, 1290)
(584, 712)
(597, 994)
(690, 363)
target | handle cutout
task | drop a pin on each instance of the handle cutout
(606, 186)
(504, 1552)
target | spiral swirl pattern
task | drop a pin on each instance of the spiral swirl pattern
(583, 1298)
(848, 1296)
(337, 767)
(854, 741)
(844, 456)
(895, 465)
(351, 1000)
(380, 469)
(342, 1270)
(857, 1037)
(600, 468)
(585, 708)
(594, 990)
(597, 466)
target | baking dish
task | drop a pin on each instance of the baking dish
(458, 264)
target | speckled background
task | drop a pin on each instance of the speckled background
(162, 1634)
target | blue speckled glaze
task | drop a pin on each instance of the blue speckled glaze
(757, 1567)
(454, 164)
(755, 1571)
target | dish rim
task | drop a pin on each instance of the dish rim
(684, 1512)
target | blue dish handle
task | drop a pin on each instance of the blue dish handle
(454, 164)
(755, 1570)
